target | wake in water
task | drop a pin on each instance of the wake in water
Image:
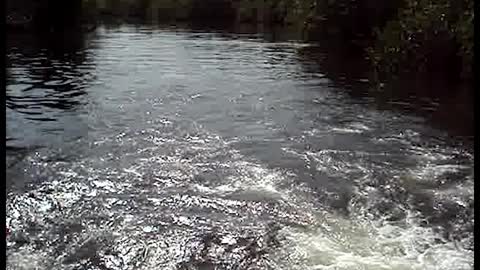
(170, 199)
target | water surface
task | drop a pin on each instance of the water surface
(140, 147)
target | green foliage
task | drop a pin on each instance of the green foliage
(464, 35)
(270, 11)
(349, 19)
(426, 35)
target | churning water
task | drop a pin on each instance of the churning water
(148, 148)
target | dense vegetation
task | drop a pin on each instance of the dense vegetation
(414, 36)
(428, 36)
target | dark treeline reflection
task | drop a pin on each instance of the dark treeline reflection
(47, 76)
(440, 103)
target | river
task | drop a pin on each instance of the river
(145, 147)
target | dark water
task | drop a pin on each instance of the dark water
(136, 147)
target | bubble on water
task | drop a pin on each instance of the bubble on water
(148, 229)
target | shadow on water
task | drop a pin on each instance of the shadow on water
(46, 80)
(441, 103)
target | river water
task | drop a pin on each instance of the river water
(140, 147)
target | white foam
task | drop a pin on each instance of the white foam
(327, 241)
(347, 130)
(341, 244)
(25, 260)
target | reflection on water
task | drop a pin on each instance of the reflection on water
(141, 147)
(440, 102)
(47, 77)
